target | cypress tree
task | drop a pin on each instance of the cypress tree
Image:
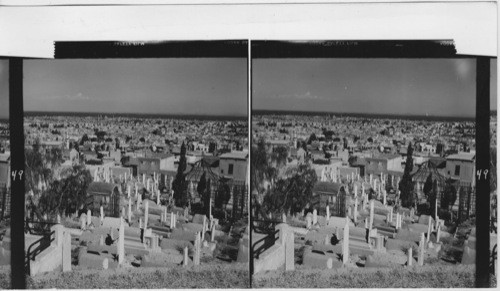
(179, 185)
(406, 183)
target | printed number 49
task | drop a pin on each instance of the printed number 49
(17, 173)
(482, 172)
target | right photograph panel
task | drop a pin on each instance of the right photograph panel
(363, 170)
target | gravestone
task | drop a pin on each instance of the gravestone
(146, 213)
(421, 249)
(345, 243)
(89, 217)
(185, 257)
(121, 243)
(372, 205)
(410, 257)
(66, 252)
(289, 251)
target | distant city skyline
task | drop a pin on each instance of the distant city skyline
(177, 86)
(435, 87)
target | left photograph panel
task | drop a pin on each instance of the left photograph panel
(5, 191)
(136, 167)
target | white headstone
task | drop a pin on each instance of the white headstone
(197, 249)
(345, 243)
(410, 256)
(146, 214)
(315, 217)
(327, 213)
(438, 233)
(101, 214)
(129, 212)
(355, 215)
(83, 222)
(421, 250)
(372, 210)
(204, 228)
(121, 242)
(66, 252)
(289, 251)
(429, 229)
(89, 217)
(186, 257)
(309, 222)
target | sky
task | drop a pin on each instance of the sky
(201, 86)
(4, 89)
(438, 87)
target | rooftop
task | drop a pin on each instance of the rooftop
(462, 156)
(238, 155)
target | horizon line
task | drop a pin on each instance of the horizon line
(280, 111)
(132, 113)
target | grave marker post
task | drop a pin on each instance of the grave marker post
(289, 251)
(121, 242)
(429, 229)
(129, 212)
(410, 256)
(345, 243)
(186, 257)
(372, 210)
(421, 250)
(146, 214)
(197, 251)
(89, 217)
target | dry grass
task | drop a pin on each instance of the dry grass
(208, 276)
(457, 276)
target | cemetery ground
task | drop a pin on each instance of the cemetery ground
(376, 246)
(438, 276)
(178, 250)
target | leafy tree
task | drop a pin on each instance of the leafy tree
(68, 194)
(406, 183)
(449, 195)
(260, 169)
(280, 155)
(179, 184)
(39, 166)
(293, 193)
